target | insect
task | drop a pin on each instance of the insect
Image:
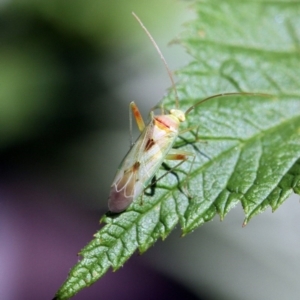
(152, 147)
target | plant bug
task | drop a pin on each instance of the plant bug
(152, 147)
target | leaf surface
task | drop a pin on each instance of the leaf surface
(247, 147)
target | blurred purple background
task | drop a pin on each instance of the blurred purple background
(40, 233)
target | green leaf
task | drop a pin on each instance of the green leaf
(247, 147)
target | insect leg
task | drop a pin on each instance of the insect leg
(178, 154)
(138, 118)
(152, 187)
(171, 171)
(137, 115)
(192, 143)
(168, 169)
(174, 155)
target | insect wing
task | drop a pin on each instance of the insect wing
(140, 165)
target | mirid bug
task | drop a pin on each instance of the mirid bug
(152, 147)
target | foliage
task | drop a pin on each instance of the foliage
(247, 147)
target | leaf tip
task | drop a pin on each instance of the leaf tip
(184, 233)
(245, 223)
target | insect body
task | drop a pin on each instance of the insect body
(153, 146)
(145, 157)
(149, 151)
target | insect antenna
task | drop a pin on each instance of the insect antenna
(161, 56)
(225, 95)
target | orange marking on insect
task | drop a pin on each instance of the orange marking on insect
(179, 157)
(150, 143)
(161, 124)
(138, 117)
(136, 166)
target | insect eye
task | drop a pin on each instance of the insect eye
(178, 114)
